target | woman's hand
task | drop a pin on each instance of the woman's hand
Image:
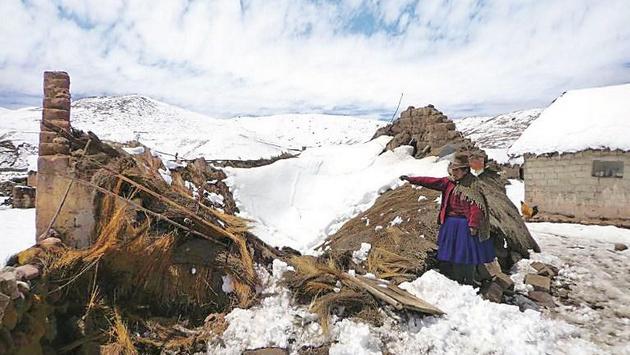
(404, 177)
(473, 231)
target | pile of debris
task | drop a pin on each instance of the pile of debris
(165, 242)
(427, 130)
(541, 284)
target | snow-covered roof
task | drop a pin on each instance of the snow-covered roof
(595, 118)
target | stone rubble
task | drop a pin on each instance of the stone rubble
(540, 283)
(427, 130)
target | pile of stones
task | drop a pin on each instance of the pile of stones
(427, 130)
(25, 317)
(501, 287)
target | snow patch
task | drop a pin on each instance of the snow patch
(361, 255)
(228, 284)
(216, 198)
(396, 221)
(135, 150)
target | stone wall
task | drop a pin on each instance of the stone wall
(74, 220)
(562, 186)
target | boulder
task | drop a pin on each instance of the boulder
(540, 283)
(490, 269)
(620, 247)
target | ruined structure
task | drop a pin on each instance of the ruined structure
(74, 217)
(427, 129)
(23, 197)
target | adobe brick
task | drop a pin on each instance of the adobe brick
(61, 103)
(55, 114)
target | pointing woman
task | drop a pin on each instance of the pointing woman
(463, 238)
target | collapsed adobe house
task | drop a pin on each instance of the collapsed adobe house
(124, 242)
(427, 130)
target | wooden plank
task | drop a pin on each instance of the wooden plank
(403, 297)
(374, 290)
(415, 301)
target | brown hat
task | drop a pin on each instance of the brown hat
(459, 161)
(478, 154)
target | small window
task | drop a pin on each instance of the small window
(605, 169)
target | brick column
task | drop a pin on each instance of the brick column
(75, 221)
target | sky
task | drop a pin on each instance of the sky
(255, 57)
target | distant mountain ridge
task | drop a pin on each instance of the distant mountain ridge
(172, 129)
(499, 131)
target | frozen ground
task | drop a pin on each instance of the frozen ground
(598, 278)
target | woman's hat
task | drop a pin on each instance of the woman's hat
(459, 161)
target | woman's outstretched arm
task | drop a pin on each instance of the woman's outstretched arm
(428, 182)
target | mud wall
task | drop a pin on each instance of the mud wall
(74, 219)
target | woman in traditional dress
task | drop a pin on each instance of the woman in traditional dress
(464, 238)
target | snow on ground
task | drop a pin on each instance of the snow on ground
(298, 202)
(595, 321)
(17, 230)
(471, 326)
(274, 322)
(597, 275)
(596, 118)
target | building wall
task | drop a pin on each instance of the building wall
(563, 185)
(70, 215)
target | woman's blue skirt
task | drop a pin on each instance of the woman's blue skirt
(457, 245)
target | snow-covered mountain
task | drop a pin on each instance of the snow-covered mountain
(497, 131)
(496, 134)
(172, 129)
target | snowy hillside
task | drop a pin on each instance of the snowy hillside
(496, 134)
(173, 130)
(309, 197)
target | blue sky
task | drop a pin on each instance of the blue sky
(229, 57)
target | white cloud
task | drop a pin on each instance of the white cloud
(227, 57)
